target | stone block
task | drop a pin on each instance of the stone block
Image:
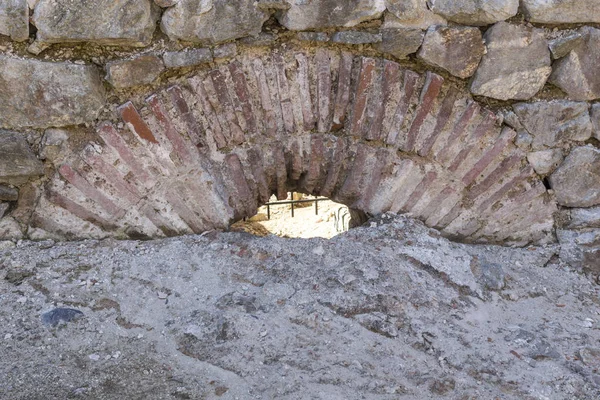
(355, 37)
(108, 22)
(321, 14)
(545, 161)
(8, 193)
(187, 58)
(142, 70)
(400, 42)
(14, 19)
(595, 117)
(561, 11)
(576, 182)
(577, 73)
(561, 46)
(43, 94)
(213, 21)
(313, 36)
(458, 50)
(584, 218)
(475, 12)
(17, 161)
(228, 50)
(555, 123)
(516, 65)
(411, 14)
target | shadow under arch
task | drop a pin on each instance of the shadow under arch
(362, 131)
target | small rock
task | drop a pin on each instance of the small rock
(318, 250)
(400, 42)
(142, 70)
(8, 336)
(475, 12)
(580, 249)
(516, 65)
(187, 58)
(576, 74)
(561, 12)
(561, 46)
(60, 315)
(321, 14)
(273, 5)
(493, 276)
(53, 144)
(17, 161)
(545, 162)
(524, 140)
(555, 123)
(313, 36)
(511, 119)
(228, 50)
(195, 21)
(355, 37)
(584, 218)
(94, 357)
(458, 50)
(577, 181)
(8, 193)
(541, 349)
(590, 356)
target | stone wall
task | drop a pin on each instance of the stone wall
(157, 118)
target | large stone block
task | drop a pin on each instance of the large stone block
(320, 14)
(43, 94)
(411, 14)
(475, 12)
(17, 161)
(561, 11)
(14, 19)
(213, 21)
(111, 22)
(458, 50)
(555, 123)
(517, 63)
(577, 73)
(142, 70)
(577, 181)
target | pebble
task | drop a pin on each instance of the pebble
(58, 315)
(94, 357)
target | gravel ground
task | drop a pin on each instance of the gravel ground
(388, 311)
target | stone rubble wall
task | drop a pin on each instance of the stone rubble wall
(103, 105)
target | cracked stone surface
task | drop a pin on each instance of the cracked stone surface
(382, 312)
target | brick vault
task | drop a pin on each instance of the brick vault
(363, 131)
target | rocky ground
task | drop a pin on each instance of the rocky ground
(388, 311)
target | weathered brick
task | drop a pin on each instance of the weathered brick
(256, 166)
(237, 136)
(442, 118)
(323, 66)
(444, 156)
(241, 196)
(142, 70)
(391, 77)
(134, 121)
(486, 126)
(343, 90)
(304, 87)
(243, 96)
(183, 111)
(505, 138)
(418, 193)
(284, 94)
(409, 86)
(265, 97)
(433, 85)
(365, 79)
(214, 130)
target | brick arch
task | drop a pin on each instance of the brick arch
(363, 131)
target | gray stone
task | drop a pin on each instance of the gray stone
(109, 22)
(273, 5)
(3, 208)
(320, 14)
(412, 14)
(561, 46)
(60, 316)
(555, 123)
(493, 276)
(511, 119)
(541, 349)
(141, 70)
(166, 3)
(356, 37)
(213, 21)
(583, 218)
(42, 94)
(577, 181)
(595, 117)
(17, 161)
(14, 19)
(409, 9)
(516, 65)
(580, 249)
(187, 58)
(312, 36)
(400, 42)
(458, 50)
(475, 12)
(577, 73)
(524, 140)
(561, 11)
(227, 50)
(545, 162)
(8, 193)
(590, 356)
(53, 144)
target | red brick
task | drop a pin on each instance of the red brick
(511, 184)
(433, 85)
(443, 116)
(365, 81)
(372, 182)
(323, 64)
(414, 198)
(240, 85)
(441, 206)
(304, 87)
(494, 176)
(343, 91)
(258, 172)
(335, 165)
(296, 166)
(265, 97)
(194, 130)
(351, 189)
(444, 155)
(505, 138)
(391, 79)
(240, 193)
(90, 191)
(218, 79)
(214, 129)
(183, 211)
(280, 172)
(313, 174)
(409, 86)
(485, 127)
(287, 109)
(134, 121)
(78, 210)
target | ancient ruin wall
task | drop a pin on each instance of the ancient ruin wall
(157, 118)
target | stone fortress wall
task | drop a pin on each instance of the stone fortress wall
(146, 118)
